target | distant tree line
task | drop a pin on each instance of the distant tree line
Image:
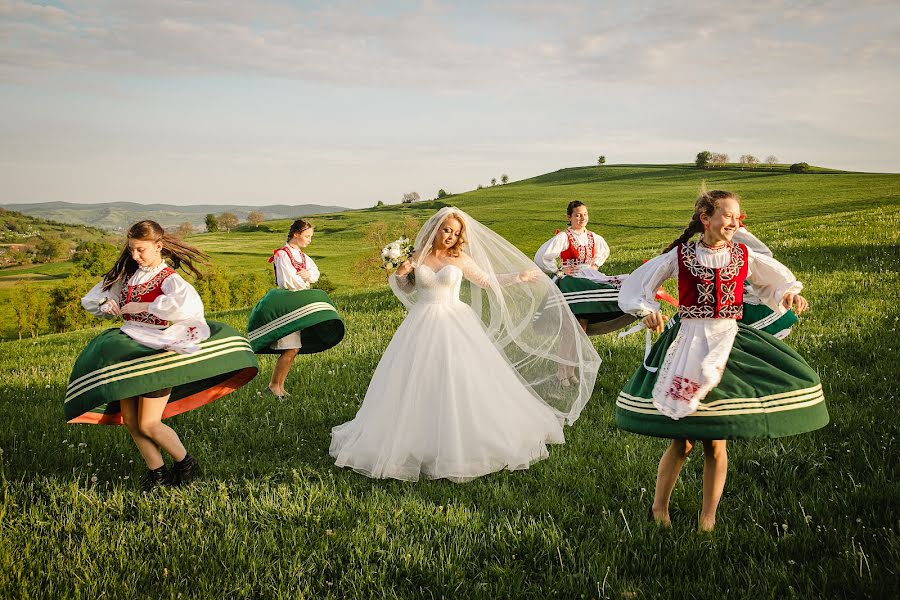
(707, 160)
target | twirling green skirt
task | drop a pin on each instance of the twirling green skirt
(760, 316)
(596, 302)
(113, 367)
(766, 391)
(281, 312)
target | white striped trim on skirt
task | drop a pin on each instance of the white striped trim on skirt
(734, 406)
(304, 311)
(154, 363)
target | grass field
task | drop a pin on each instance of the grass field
(809, 516)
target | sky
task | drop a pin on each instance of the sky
(349, 103)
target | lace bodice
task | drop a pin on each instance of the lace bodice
(438, 287)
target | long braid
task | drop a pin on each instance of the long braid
(706, 204)
(694, 227)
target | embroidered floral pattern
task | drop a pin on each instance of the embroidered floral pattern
(696, 312)
(689, 252)
(683, 389)
(585, 252)
(136, 293)
(706, 293)
(732, 311)
(130, 292)
(727, 292)
(737, 262)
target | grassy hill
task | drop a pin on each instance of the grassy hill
(117, 216)
(638, 209)
(806, 517)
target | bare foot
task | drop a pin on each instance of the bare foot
(706, 523)
(661, 516)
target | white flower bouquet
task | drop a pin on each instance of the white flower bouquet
(394, 254)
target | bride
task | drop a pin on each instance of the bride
(467, 386)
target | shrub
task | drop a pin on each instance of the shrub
(800, 167)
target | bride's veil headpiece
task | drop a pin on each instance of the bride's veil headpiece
(529, 322)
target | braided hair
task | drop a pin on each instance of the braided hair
(298, 226)
(706, 204)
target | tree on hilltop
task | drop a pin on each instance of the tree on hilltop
(703, 158)
(771, 160)
(718, 158)
(212, 223)
(255, 217)
(749, 160)
(228, 221)
(410, 197)
(601, 160)
(493, 181)
(504, 179)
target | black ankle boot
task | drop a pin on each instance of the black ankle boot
(155, 478)
(185, 470)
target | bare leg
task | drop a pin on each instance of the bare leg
(150, 412)
(146, 446)
(715, 470)
(666, 476)
(282, 366)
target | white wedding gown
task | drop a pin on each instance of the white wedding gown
(444, 402)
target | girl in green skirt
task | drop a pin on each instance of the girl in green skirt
(293, 308)
(165, 359)
(709, 377)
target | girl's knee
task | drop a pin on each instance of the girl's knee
(130, 422)
(682, 447)
(149, 428)
(715, 448)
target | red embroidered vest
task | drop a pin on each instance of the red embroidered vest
(576, 254)
(145, 292)
(707, 293)
(290, 255)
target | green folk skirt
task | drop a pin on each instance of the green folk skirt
(760, 316)
(281, 312)
(766, 391)
(595, 302)
(113, 367)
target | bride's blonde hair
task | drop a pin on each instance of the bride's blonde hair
(456, 248)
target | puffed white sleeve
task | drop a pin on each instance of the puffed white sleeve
(178, 302)
(601, 250)
(286, 275)
(546, 256)
(313, 269)
(638, 293)
(743, 236)
(770, 280)
(95, 300)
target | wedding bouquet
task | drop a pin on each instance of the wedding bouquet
(394, 254)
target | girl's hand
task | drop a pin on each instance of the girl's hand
(404, 269)
(796, 301)
(110, 307)
(569, 270)
(304, 275)
(133, 308)
(655, 322)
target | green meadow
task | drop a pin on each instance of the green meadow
(809, 516)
